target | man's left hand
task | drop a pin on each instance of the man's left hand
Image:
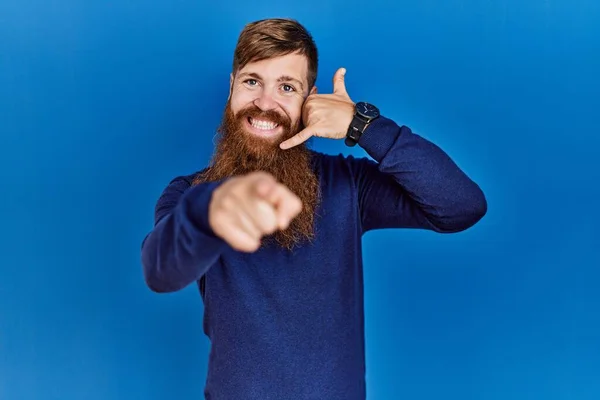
(325, 115)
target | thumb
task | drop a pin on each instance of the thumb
(339, 84)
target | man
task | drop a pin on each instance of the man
(271, 231)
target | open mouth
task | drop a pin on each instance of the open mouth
(262, 126)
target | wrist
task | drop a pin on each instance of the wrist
(364, 115)
(200, 199)
(380, 137)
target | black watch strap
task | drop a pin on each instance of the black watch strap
(356, 129)
(364, 114)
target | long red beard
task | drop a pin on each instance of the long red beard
(239, 152)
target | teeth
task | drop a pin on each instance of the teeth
(266, 125)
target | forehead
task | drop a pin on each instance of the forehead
(294, 65)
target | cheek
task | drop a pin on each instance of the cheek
(240, 100)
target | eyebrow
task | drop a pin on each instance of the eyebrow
(282, 78)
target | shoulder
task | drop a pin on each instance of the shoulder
(180, 183)
(172, 193)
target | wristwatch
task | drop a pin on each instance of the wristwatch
(364, 114)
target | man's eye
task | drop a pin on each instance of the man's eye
(250, 82)
(288, 88)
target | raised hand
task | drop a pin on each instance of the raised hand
(325, 115)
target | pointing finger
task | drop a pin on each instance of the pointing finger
(297, 139)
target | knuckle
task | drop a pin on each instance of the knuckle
(227, 202)
(217, 215)
(271, 223)
(265, 217)
(269, 228)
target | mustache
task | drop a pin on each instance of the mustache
(269, 115)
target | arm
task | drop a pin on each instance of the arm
(413, 184)
(182, 246)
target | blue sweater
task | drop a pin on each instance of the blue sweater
(291, 327)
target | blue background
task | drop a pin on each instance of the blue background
(102, 103)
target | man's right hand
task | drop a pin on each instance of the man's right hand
(246, 208)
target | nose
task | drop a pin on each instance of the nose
(265, 101)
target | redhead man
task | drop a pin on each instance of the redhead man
(270, 230)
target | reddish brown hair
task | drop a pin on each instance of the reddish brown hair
(273, 37)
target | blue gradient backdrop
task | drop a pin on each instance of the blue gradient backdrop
(102, 103)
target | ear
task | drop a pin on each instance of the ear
(230, 85)
(313, 90)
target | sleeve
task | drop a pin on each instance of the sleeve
(413, 183)
(181, 247)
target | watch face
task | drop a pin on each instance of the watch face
(367, 110)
